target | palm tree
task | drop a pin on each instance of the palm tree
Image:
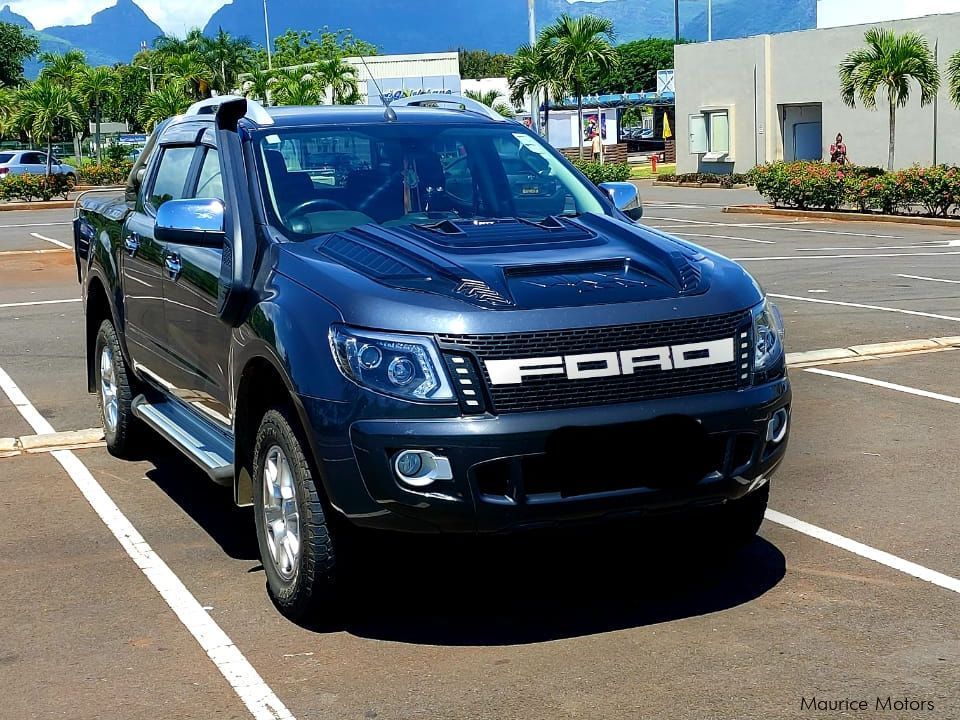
(492, 99)
(41, 108)
(226, 57)
(891, 62)
(576, 44)
(340, 77)
(257, 84)
(163, 103)
(953, 78)
(294, 89)
(62, 68)
(531, 72)
(190, 73)
(97, 88)
(8, 97)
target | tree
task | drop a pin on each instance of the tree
(636, 67)
(574, 45)
(165, 102)
(492, 99)
(190, 73)
(295, 88)
(953, 78)
(97, 88)
(41, 108)
(132, 86)
(62, 68)
(257, 85)
(479, 64)
(299, 47)
(532, 72)
(15, 47)
(890, 62)
(340, 77)
(226, 57)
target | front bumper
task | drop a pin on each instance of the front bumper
(546, 468)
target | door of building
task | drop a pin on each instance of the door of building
(808, 141)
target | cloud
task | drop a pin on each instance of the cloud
(174, 16)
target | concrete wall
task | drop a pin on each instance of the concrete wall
(801, 68)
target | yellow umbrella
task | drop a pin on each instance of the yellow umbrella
(667, 132)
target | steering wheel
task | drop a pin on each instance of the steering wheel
(321, 203)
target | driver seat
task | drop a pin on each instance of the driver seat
(289, 188)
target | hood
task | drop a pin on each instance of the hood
(561, 270)
(521, 265)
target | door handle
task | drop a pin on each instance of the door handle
(173, 266)
(131, 243)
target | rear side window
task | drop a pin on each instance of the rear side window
(171, 180)
(33, 159)
(6, 157)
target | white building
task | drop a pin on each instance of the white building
(398, 75)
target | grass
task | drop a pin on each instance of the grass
(645, 172)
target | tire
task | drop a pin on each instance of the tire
(122, 431)
(300, 568)
(71, 178)
(736, 524)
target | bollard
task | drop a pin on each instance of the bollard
(653, 164)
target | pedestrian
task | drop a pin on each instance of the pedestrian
(597, 145)
(838, 151)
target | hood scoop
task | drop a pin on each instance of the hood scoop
(501, 235)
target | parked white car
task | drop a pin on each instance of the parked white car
(32, 162)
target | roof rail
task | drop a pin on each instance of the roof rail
(454, 102)
(255, 111)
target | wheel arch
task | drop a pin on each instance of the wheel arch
(98, 309)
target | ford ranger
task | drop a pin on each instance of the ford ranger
(420, 319)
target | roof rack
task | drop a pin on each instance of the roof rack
(452, 102)
(255, 111)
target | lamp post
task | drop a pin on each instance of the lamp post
(266, 30)
(676, 20)
(534, 97)
(709, 20)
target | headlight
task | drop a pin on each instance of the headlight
(406, 366)
(767, 335)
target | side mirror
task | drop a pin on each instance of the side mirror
(626, 197)
(191, 222)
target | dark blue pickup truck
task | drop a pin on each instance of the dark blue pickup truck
(420, 319)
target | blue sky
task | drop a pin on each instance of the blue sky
(174, 16)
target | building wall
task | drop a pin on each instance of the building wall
(395, 73)
(800, 68)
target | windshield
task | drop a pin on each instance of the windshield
(321, 180)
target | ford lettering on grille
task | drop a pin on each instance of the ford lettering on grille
(611, 363)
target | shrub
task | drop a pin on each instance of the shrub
(936, 189)
(606, 172)
(667, 177)
(105, 174)
(35, 187)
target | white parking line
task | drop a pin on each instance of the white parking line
(865, 307)
(887, 385)
(726, 237)
(39, 302)
(62, 244)
(865, 551)
(259, 699)
(842, 257)
(4, 253)
(930, 279)
(768, 226)
(23, 225)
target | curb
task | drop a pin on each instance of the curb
(698, 186)
(48, 442)
(873, 350)
(40, 205)
(840, 216)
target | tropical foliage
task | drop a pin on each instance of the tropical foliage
(15, 47)
(890, 63)
(532, 72)
(492, 99)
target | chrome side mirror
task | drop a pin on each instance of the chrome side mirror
(191, 222)
(626, 197)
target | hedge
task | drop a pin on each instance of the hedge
(727, 180)
(605, 172)
(105, 174)
(809, 185)
(35, 187)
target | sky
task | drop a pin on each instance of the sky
(174, 16)
(831, 13)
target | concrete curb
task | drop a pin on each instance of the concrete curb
(39, 205)
(871, 351)
(840, 216)
(48, 442)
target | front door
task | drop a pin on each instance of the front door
(143, 262)
(198, 341)
(807, 141)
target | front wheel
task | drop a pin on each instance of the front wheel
(115, 392)
(293, 531)
(735, 524)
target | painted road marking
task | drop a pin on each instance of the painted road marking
(865, 307)
(39, 302)
(259, 699)
(726, 237)
(865, 551)
(883, 384)
(929, 245)
(767, 226)
(23, 225)
(841, 257)
(30, 252)
(929, 279)
(62, 244)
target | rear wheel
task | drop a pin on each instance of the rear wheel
(115, 393)
(293, 531)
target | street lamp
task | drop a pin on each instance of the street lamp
(534, 97)
(150, 70)
(266, 30)
(709, 20)
(676, 21)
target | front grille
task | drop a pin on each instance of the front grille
(556, 392)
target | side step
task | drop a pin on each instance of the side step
(209, 448)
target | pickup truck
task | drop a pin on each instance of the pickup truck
(420, 319)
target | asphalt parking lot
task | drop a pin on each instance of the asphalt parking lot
(133, 589)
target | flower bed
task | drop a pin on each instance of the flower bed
(935, 191)
(105, 174)
(727, 180)
(35, 187)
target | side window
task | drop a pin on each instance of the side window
(33, 159)
(210, 182)
(458, 178)
(171, 179)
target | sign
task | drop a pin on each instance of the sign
(396, 88)
(132, 139)
(665, 82)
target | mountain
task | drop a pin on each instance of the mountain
(9, 16)
(736, 19)
(114, 33)
(48, 43)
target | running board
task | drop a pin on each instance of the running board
(209, 448)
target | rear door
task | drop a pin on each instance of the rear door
(198, 340)
(144, 262)
(33, 163)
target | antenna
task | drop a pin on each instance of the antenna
(389, 114)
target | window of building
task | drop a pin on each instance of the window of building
(710, 134)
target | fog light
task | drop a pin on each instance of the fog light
(419, 468)
(777, 427)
